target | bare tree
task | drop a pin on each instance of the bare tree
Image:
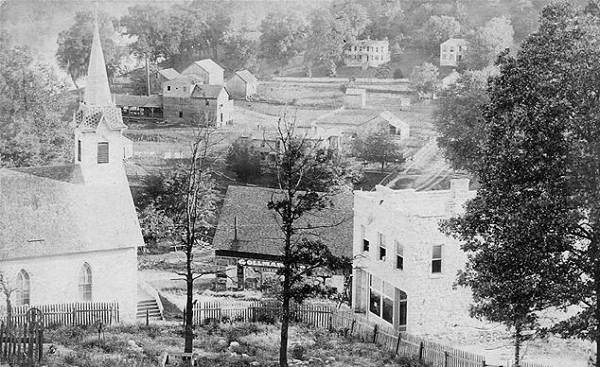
(7, 290)
(307, 177)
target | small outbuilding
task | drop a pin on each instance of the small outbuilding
(355, 98)
(242, 84)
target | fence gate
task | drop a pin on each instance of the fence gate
(21, 343)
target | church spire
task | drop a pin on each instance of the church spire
(97, 92)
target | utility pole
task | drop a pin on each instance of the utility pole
(147, 75)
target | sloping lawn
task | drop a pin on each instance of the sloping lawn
(218, 345)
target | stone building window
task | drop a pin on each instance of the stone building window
(180, 114)
(103, 152)
(365, 241)
(382, 249)
(23, 288)
(85, 282)
(436, 259)
(168, 88)
(399, 256)
(381, 299)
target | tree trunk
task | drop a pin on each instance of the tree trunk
(285, 321)
(382, 166)
(148, 88)
(8, 311)
(597, 305)
(189, 304)
(517, 346)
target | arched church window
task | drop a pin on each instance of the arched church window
(23, 288)
(85, 282)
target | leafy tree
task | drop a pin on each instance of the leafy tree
(325, 41)
(537, 210)
(302, 191)
(424, 79)
(386, 17)
(238, 53)
(378, 146)
(434, 31)
(34, 127)
(282, 37)
(351, 17)
(179, 36)
(459, 119)
(487, 42)
(331, 30)
(75, 43)
(242, 160)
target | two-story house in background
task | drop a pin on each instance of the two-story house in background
(452, 51)
(367, 52)
(404, 266)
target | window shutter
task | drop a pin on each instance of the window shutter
(102, 152)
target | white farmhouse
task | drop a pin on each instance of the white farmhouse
(452, 51)
(405, 268)
(70, 233)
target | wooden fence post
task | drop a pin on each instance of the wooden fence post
(483, 363)
(147, 317)
(74, 316)
(398, 343)
(374, 333)
(352, 327)
(445, 359)
(330, 322)
(421, 350)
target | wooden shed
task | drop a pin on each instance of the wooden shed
(242, 84)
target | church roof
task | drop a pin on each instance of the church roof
(88, 117)
(258, 231)
(47, 211)
(97, 92)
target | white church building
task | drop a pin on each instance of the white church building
(70, 233)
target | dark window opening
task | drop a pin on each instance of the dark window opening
(168, 87)
(365, 245)
(79, 150)
(180, 114)
(436, 260)
(103, 152)
(382, 252)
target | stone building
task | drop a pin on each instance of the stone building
(452, 51)
(367, 53)
(70, 233)
(243, 84)
(404, 267)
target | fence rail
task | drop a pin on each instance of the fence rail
(346, 322)
(66, 314)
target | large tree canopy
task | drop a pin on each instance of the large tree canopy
(282, 37)
(75, 43)
(33, 103)
(537, 211)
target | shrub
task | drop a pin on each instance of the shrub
(67, 335)
(398, 74)
(297, 351)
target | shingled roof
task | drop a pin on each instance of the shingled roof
(47, 211)
(246, 76)
(258, 232)
(169, 73)
(207, 91)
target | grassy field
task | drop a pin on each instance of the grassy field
(221, 345)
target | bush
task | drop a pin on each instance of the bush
(398, 74)
(297, 352)
(67, 335)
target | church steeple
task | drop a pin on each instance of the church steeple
(97, 92)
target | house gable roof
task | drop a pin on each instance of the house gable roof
(246, 76)
(169, 73)
(245, 212)
(207, 91)
(47, 211)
